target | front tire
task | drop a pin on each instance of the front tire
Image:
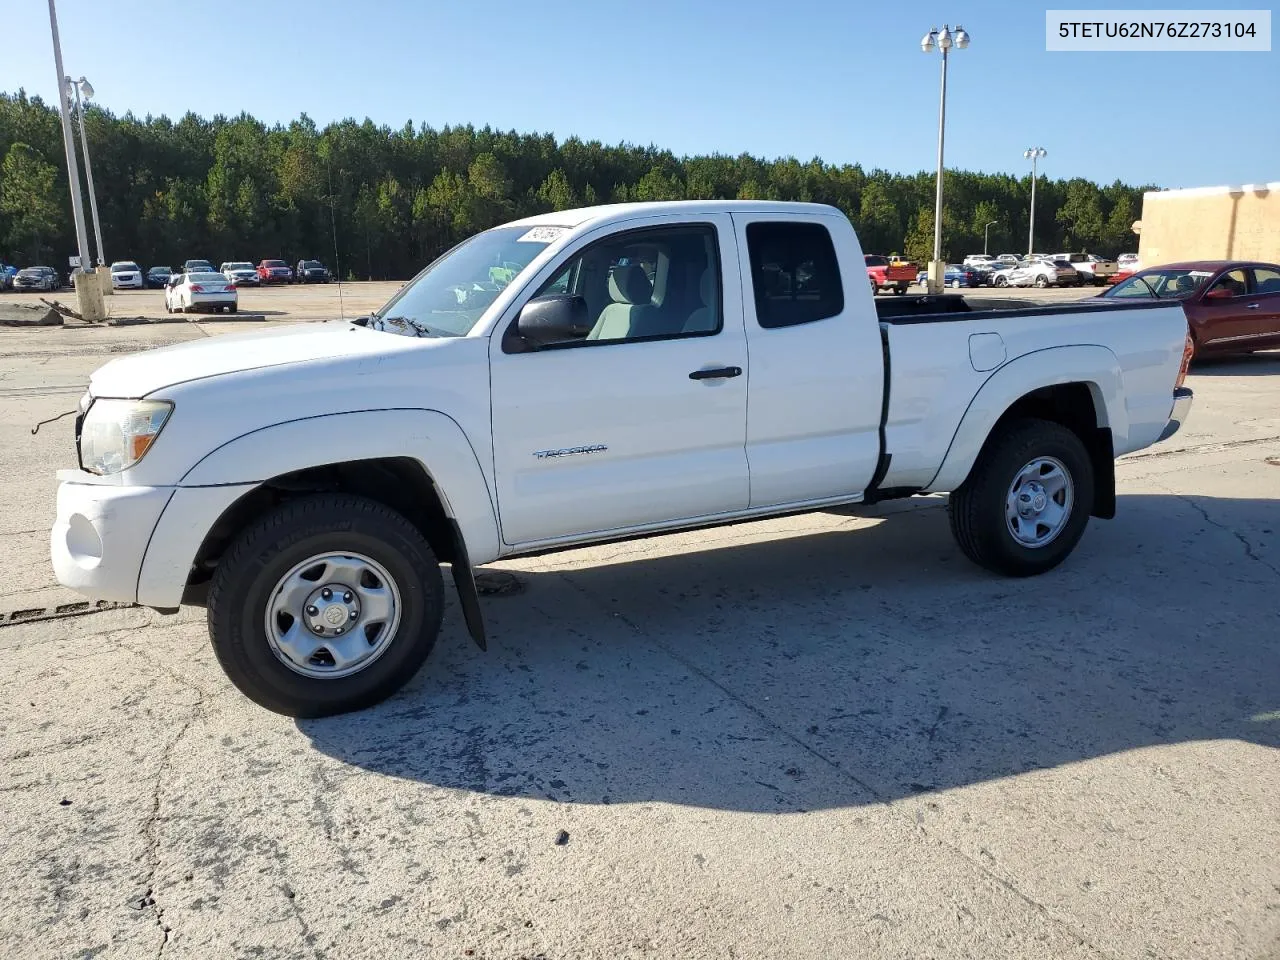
(1025, 505)
(328, 604)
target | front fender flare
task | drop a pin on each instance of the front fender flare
(432, 438)
(1093, 365)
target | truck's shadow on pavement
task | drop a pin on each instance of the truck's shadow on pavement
(845, 667)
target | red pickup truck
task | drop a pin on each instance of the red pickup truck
(890, 273)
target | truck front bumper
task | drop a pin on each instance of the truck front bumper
(1182, 398)
(100, 536)
(132, 544)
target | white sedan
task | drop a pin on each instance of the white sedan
(195, 292)
(126, 275)
(1036, 273)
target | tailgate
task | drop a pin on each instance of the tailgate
(902, 271)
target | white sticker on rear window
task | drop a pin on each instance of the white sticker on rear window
(543, 235)
(1202, 273)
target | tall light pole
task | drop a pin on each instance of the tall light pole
(985, 231)
(83, 86)
(941, 41)
(1033, 154)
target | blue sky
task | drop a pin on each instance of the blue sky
(830, 78)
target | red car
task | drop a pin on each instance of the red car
(1232, 306)
(274, 271)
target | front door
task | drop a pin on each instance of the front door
(1228, 312)
(642, 422)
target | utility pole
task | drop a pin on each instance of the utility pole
(88, 293)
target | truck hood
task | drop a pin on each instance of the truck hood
(144, 373)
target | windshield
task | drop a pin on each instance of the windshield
(310, 264)
(1164, 283)
(274, 263)
(239, 266)
(450, 296)
(124, 267)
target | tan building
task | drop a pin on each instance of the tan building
(1210, 223)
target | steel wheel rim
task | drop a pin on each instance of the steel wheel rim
(1038, 504)
(332, 615)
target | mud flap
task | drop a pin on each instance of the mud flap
(465, 582)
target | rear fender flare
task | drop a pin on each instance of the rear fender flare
(1093, 365)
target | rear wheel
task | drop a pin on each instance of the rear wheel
(330, 603)
(900, 289)
(1042, 281)
(1024, 507)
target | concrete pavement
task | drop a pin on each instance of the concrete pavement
(825, 735)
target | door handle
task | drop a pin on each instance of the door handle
(1252, 306)
(716, 373)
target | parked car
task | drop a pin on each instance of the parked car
(274, 271)
(978, 259)
(37, 278)
(1232, 306)
(240, 272)
(311, 271)
(206, 291)
(1009, 258)
(158, 278)
(1126, 266)
(312, 518)
(1037, 272)
(126, 275)
(198, 266)
(1092, 269)
(889, 273)
(956, 275)
(7, 273)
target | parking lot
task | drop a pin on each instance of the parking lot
(825, 735)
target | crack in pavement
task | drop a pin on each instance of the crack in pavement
(1200, 448)
(1248, 547)
(862, 781)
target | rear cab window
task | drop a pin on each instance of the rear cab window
(794, 273)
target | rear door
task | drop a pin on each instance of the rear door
(643, 423)
(1266, 294)
(816, 384)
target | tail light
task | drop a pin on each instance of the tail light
(231, 285)
(196, 288)
(1188, 349)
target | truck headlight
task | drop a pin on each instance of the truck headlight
(116, 434)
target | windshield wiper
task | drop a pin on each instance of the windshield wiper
(419, 328)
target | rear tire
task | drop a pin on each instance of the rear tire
(260, 563)
(994, 515)
(1041, 281)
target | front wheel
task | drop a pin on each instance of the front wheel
(1025, 505)
(328, 604)
(1001, 281)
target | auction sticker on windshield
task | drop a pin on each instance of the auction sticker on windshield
(543, 235)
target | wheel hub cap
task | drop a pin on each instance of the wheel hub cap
(332, 615)
(1039, 502)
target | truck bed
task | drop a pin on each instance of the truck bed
(938, 348)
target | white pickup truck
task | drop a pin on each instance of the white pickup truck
(574, 378)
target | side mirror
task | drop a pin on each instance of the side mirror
(553, 319)
(1219, 293)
